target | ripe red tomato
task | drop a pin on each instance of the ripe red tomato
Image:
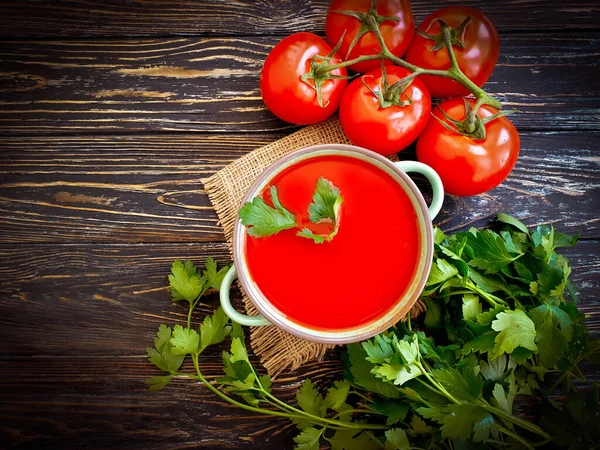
(396, 34)
(477, 59)
(384, 130)
(468, 166)
(286, 94)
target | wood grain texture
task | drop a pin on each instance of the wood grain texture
(272, 17)
(120, 189)
(212, 84)
(117, 411)
(110, 299)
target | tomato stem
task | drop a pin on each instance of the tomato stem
(454, 72)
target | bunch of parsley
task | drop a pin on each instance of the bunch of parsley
(501, 323)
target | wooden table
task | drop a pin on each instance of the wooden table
(111, 112)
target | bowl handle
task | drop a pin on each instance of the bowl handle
(434, 179)
(242, 319)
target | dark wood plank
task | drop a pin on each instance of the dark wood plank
(212, 85)
(110, 299)
(90, 403)
(222, 17)
(147, 188)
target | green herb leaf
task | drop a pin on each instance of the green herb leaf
(380, 349)
(352, 439)
(263, 220)
(396, 439)
(337, 395)
(185, 341)
(419, 426)
(308, 439)
(490, 248)
(319, 239)
(359, 371)
(459, 420)
(214, 329)
(471, 307)
(554, 332)
(158, 382)
(309, 399)
(325, 207)
(441, 271)
(512, 221)
(326, 203)
(214, 277)
(162, 356)
(186, 283)
(515, 330)
(481, 344)
(465, 385)
(395, 410)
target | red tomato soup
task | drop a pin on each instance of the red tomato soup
(359, 275)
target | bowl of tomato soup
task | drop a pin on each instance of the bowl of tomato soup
(361, 280)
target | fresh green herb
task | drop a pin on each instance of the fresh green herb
(188, 284)
(263, 220)
(501, 323)
(325, 207)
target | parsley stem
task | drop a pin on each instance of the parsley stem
(299, 414)
(516, 437)
(565, 373)
(235, 402)
(526, 425)
(361, 411)
(441, 388)
(490, 298)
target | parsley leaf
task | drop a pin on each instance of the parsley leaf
(400, 372)
(158, 382)
(214, 277)
(325, 207)
(337, 395)
(352, 439)
(464, 386)
(214, 329)
(359, 371)
(396, 439)
(185, 341)
(309, 399)
(163, 356)
(512, 221)
(419, 426)
(490, 248)
(459, 420)
(441, 271)
(308, 439)
(515, 330)
(326, 203)
(264, 220)
(554, 332)
(395, 410)
(186, 282)
(471, 307)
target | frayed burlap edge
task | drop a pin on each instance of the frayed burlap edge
(276, 349)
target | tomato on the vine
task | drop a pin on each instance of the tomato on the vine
(375, 116)
(287, 94)
(468, 165)
(348, 18)
(476, 45)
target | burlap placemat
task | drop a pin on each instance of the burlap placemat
(276, 349)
